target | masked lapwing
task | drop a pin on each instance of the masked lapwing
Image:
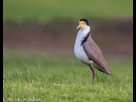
(87, 51)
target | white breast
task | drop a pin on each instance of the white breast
(78, 49)
(81, 55)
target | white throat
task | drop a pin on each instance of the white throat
(78, 49)
(82, 33)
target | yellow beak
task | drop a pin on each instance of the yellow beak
(81, 24)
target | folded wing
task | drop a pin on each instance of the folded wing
(95, 54)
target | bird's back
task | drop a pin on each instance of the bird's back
(95, 54)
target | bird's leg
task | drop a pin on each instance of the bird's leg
(94, 72)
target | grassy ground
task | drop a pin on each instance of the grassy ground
(68, 9)
(60, 77)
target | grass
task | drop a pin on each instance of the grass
(60, 77)
(44, 10)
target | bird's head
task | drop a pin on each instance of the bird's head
(82, 23)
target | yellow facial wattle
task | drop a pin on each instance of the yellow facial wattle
(81, 24)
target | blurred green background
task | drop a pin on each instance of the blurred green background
(50, 25)
(51, 9)
(38, 35)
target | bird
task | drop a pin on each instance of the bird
(87, 51)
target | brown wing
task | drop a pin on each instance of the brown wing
(94, 53)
